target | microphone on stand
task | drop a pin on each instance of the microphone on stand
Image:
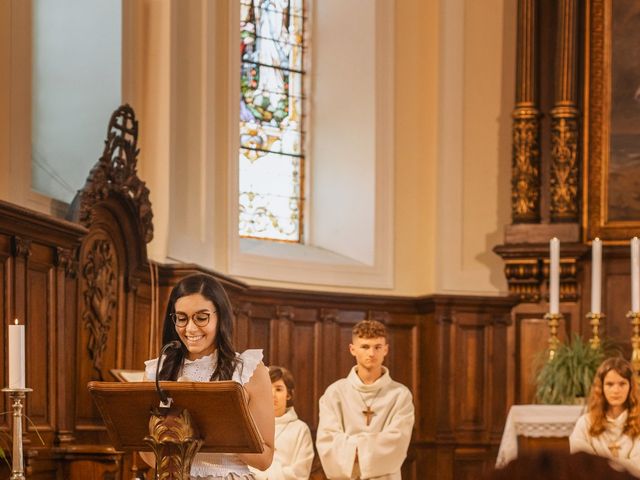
(163, 395)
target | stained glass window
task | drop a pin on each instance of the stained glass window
(271, 157)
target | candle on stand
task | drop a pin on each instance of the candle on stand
(16, 356)
(635, 274)
(596, 275)
(554, 276)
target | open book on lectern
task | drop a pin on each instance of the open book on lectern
(218, 409)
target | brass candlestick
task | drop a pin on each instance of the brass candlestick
(635, 340)
(17, 396)
(594, 321)
(553, 320)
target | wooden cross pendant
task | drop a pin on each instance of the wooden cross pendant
(368, 413)
(614, 448)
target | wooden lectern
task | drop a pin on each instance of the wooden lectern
(204, 416)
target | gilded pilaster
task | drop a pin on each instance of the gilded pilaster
(564, 119)
(525, 179)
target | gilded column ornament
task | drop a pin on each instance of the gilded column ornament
(525, 180)
(564, 164)
(100, 299)
(568, 278)
(525, 175)
(524, 276)
(564, 119)
(175, 441)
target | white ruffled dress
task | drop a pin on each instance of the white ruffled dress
(215, 466)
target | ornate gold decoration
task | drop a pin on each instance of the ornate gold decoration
(525, 180)
(553, 320)
(116, 172)
(100, 299)
(175, 441)
(635, 340)
(564, 164)
(568, 278)
(524, 277)
(594, 321)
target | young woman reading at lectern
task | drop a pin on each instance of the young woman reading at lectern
(611, 426)
(199, 315)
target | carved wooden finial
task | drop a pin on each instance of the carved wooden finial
(116, 172)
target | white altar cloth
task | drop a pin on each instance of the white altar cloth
(536, 421)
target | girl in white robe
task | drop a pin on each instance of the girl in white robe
(611, 427)
(293, 455)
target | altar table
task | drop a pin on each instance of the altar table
(552, 422)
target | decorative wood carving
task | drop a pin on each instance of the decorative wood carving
(116, 171)
(525, 180)
(67, 259)
(21, 247)
(564, 118)
(99, 272)
(527, 270)
(523, 276)
(564, 165)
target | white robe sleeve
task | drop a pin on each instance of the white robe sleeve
(336, 449)
(580, 440)
(298, 467)
(382, 453)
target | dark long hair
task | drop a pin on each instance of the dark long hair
(212, 290)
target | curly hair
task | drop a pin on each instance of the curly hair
(280, 373)
(212, 290)
(369, 329)
(598, 404)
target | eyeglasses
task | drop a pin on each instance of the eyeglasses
(200, 319)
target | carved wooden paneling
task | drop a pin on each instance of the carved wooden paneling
(470, 463)
(137, 346)
(40, 338)
(90, 297)
(5, 318)
(470, 349)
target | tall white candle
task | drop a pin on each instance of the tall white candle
(635, 274)
(16, 356)
(596, 275)
(554, 276)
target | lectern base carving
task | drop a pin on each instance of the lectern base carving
(174, 439)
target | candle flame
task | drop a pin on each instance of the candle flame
(15, 322)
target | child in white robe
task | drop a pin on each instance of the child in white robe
(611, 426)
(366, 419)
(293, 454)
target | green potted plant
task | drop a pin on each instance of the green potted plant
(566, 379)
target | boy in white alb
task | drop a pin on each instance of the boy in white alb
(366, 419)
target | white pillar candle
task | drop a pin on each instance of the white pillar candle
(635, 274)
(16, 356)
(554, 276)
(596, 275)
